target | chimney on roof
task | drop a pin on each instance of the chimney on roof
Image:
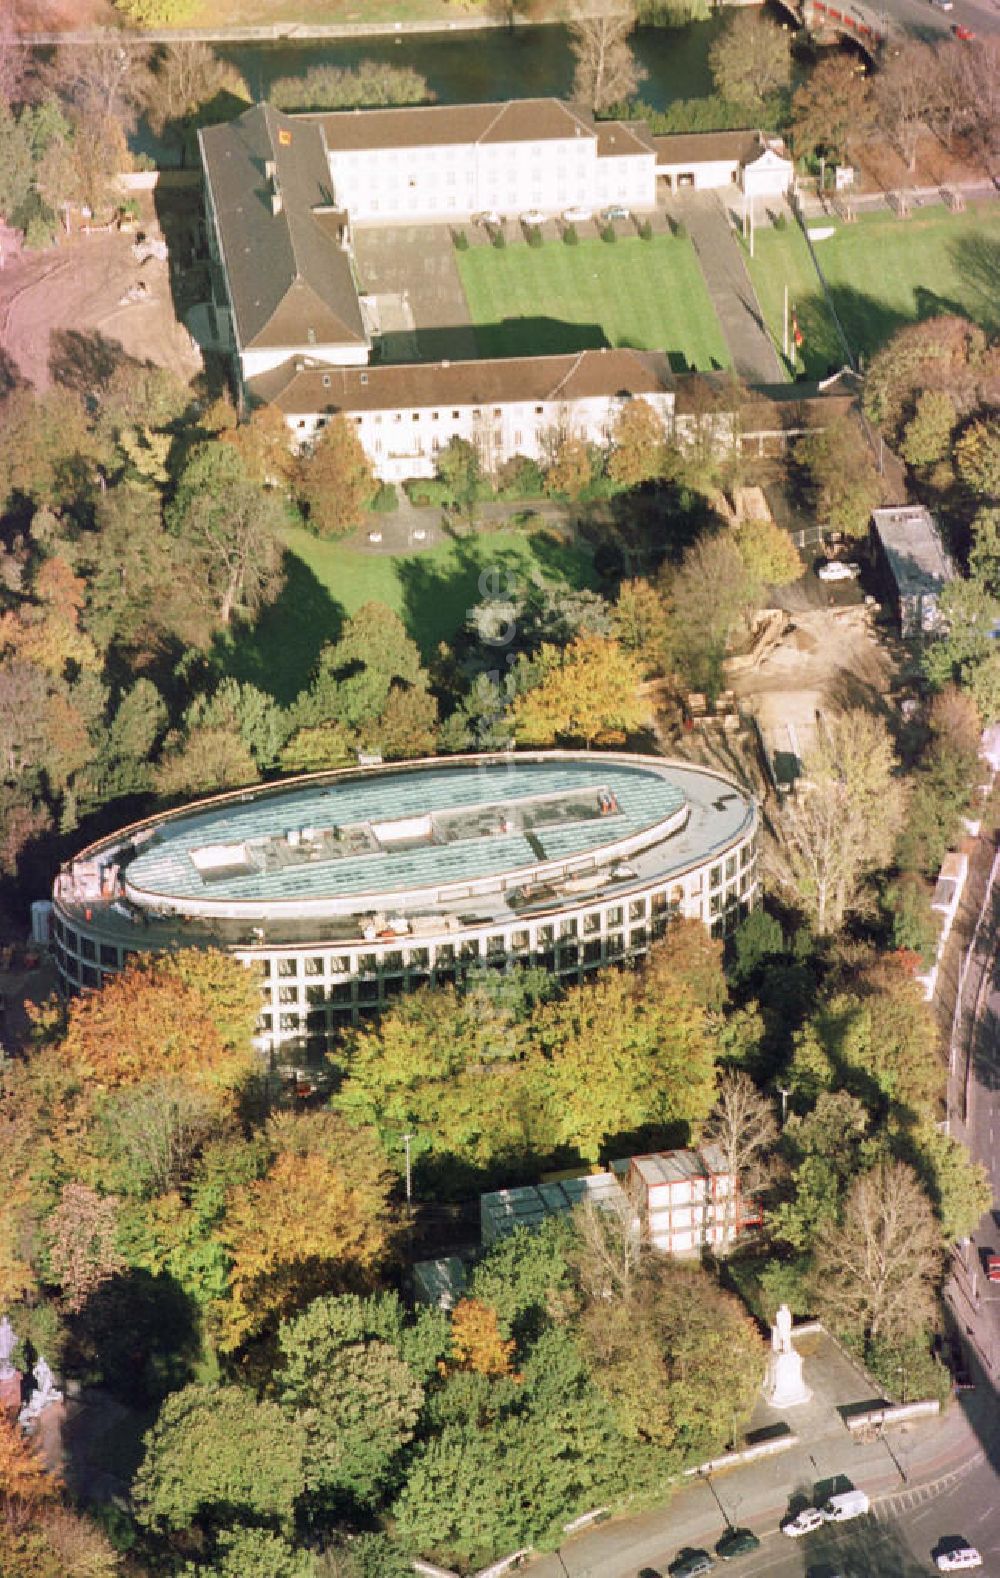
(445, 364)
(270, 169)
(276, 201)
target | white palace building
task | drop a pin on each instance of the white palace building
(348, 888)
(284, 192)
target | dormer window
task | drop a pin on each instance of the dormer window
(326, 380)
(311, 336)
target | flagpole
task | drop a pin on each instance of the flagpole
(784, 338)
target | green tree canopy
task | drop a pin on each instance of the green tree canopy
(219, 1453)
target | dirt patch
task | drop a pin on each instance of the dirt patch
(57, 16)
(881, 168)
(826, 660)
(88, 296)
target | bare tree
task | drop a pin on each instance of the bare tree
(742, 1124)
(750, 58)
(606, 70)
(187, 75)
(904, 97)
(609, 1248)
(106, 78)
(842, 821)
(982, 72)
(875, 1272)
(13, 61)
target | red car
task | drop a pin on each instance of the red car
(964, 33)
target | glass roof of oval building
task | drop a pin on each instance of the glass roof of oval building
(415, 827)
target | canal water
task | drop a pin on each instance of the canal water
(500, 63)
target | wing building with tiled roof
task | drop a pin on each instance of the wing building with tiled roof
(284, 283)
(406, 414)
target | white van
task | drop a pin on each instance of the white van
(850, 1504)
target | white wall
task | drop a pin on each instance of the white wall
(450, 180)
(404, 444)
(257, 361)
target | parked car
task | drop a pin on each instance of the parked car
(849, 1504)
(489, 217)
(534, 216)
(942, 5)
(614, 211)
(958, 1559)
(577, 216)
(962, 1381)
(804, 1522)
(964, 33)
(736, 1542)
(992, 1267)
(839, 570)
(690, 1563)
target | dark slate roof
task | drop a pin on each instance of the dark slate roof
(300, 387)
(707, 147)
(519, 120)
(289, 281)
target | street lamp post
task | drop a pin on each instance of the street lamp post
(784, 1092)
(409, 1180)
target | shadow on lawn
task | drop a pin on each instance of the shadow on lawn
(532, 337)
(278, 653)
(867, 321)
(976, 259)
(477, 569)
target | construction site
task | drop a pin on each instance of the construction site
(818, 649)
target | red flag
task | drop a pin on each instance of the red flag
(797, 334)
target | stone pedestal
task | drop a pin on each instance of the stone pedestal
(10, 1393)
(783, 1384)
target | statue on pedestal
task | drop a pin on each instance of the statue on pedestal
(783, 1385)
(43, 1394)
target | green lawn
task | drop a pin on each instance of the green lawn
(884, 272)
(431, 591)
(526, 301)
(782, 258)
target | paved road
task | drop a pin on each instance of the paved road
(729, 286)
(921, 19)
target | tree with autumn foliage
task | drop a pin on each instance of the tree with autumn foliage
(587, 691)
(571, 467)
(641, 626)
(875, 1270)
(677, 1358)
(638, 444)
(82, 1247)
(476, 1343)
(335, 481)
(620, 1055)
(317, 1222)
(770, 556)
(190, 1014)
(832, 106)
(26, 1485)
